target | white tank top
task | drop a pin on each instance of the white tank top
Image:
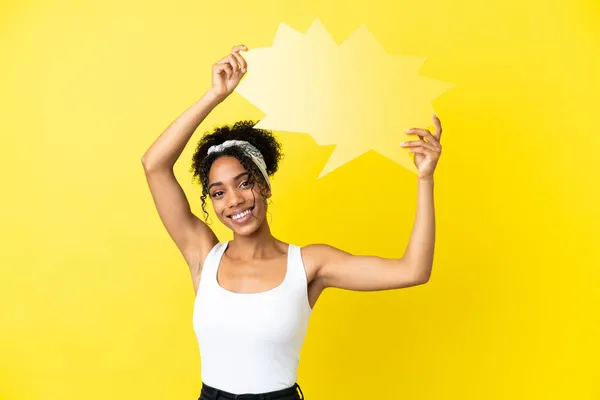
(250, 342)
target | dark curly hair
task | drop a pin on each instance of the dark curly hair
(263, 140)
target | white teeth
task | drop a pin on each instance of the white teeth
(240, 215)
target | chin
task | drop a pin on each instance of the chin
(246, 229)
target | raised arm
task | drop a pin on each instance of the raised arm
(191, 235)
(337, 268)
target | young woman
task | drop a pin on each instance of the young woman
(255, 293)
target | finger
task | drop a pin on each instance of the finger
(229, 70)
(220, 68)
(224, 68)
(229, 60)
(240, 47)
(224, 59)
(422, 132)
(233, 62)
(426, 152)
(438, 127)
(419, 143)
(240, 60)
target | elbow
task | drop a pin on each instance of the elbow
(422, 272)
(422, 278)
(147, 164)
(154, 165)
(420, 281)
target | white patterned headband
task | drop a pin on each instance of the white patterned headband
(248, 150)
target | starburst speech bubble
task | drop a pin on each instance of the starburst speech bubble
(354, 96)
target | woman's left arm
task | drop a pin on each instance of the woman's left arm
(337, 268)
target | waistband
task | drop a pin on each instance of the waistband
(275, 395)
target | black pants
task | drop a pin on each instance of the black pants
(211, 393)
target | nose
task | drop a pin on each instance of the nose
(235, 198)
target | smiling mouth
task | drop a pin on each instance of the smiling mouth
(241, 215)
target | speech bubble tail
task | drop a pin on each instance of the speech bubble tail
(338, 157)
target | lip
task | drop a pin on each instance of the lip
(239, 211)
(242, 220)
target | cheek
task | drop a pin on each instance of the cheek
(260, 207)
(256, 192)
(256, 196)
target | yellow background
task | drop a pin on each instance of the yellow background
(97, 301)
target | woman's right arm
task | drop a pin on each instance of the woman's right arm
(192, 236)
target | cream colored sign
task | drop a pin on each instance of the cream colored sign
(354, 95)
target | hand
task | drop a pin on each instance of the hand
(427, 153)
(227, 72)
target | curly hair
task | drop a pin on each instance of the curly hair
(263, 140)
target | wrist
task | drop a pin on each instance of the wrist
(214, 97)
(426, 179)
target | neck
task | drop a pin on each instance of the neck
(259, 245)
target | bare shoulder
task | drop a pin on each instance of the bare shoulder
(316, 255)
(320, 253)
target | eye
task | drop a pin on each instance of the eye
(245, 184)
(216, 194)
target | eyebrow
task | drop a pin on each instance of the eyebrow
(221, 183)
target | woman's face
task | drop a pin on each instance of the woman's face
(237, 205)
